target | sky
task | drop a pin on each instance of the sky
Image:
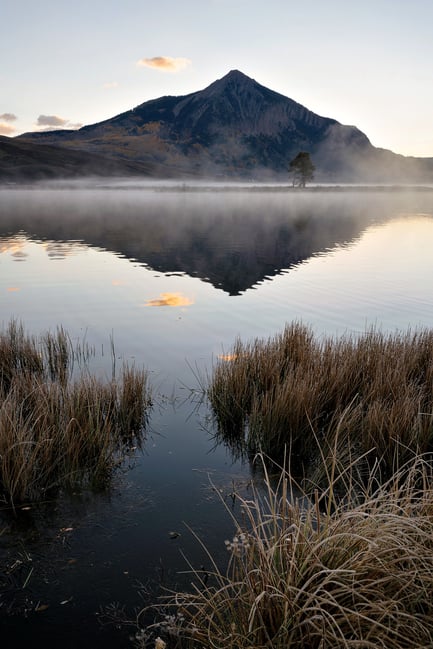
(367, 64)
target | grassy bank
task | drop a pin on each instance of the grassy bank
(59, 427)
(319, 573)
(293, 394)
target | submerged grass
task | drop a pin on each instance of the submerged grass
(319, 573)
(294, 391)
(57, 430)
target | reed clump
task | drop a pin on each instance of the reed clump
(320, 572)
(293, 391)
(60, 428)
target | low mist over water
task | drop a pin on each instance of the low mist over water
(224, 253)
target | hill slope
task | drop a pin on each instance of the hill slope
(22, 160)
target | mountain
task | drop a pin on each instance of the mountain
(235, 128)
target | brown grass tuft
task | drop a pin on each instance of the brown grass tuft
(293, 391)
(56, 430)
(317, 574)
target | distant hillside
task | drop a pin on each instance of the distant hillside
(22, 160)
(236, 128)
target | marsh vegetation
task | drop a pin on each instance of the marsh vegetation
(321, 572)
(343, 555)
(60, 427)
(295, 394)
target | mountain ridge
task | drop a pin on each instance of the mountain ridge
(234, 128)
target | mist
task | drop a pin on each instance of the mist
(233, 236)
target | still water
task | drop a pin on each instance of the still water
(173, 275)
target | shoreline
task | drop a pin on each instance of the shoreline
(180, 186)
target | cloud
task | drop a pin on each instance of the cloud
(164, 63)
(6, 129)
(110, 84)
(51, 120)
(8, 117)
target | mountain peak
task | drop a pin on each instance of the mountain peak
(234, 127)
(236, 75)
(232, 80)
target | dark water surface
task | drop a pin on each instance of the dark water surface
(173, 277)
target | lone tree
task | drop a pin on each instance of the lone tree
(302, 169)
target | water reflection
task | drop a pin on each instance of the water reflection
(16, 245)
(12, 245)
(170, 299)
(62, 249)
(232, 240)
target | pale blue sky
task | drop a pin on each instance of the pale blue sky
(365, 63)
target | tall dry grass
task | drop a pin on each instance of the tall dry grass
(294, 391)
(319, 573)
(57, 429)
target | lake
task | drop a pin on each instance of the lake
(171, 275)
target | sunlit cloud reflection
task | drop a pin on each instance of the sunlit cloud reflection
(170, 299)
(227, 357)
(11, 246)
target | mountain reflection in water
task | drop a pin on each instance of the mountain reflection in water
(233, 240)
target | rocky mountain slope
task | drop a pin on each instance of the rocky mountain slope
(235, 128)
